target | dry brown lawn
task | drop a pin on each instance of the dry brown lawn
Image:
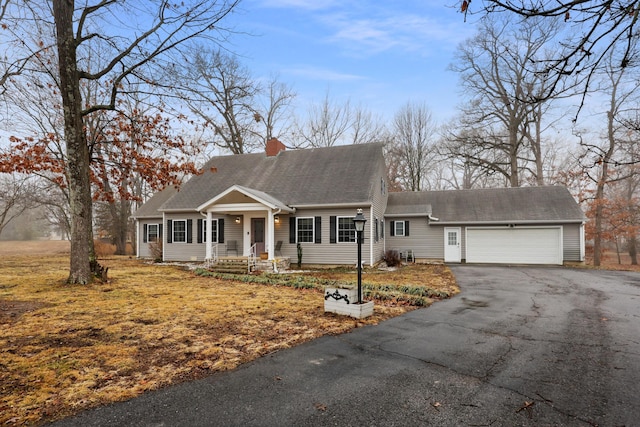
(67, 348)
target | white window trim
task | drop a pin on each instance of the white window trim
(149, 232)
(173, 231)
(395, 228)
(355, 235)
(313, 228)
(204, 230)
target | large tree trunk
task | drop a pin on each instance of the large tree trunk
(536, 145)
(514, 177)
(124, 212)
(599, 196)
(77, 150)
(632, 241)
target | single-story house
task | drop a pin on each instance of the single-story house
(524, 225)
(272, 203)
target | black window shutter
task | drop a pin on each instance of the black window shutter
(332, 229)
(169, 231)
(292, 229)
(393, 228)
(160, 232)
(318, 229)
(189, 231)
(406, 228)
(199, 230)
(375, 234)
(221, 230)
(144, 235)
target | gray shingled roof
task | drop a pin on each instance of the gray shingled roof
(342, 174)
(151, 206)
(523, 204)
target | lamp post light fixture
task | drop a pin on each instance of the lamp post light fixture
(342, 300)
(358, 222)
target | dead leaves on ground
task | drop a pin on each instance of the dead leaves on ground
(67, 348)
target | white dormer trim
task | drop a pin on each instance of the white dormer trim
(258, 196)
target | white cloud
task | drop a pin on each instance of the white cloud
(299, 4)
(407, 32)
(318, 73)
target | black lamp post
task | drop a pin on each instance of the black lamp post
(359, 221)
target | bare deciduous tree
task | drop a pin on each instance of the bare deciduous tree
(592, 31)
(274, 112)
(133, 41)
(503, 120)
(601, 161)
(326, 125)
(219, 90)
(413, 147)
(17, 195)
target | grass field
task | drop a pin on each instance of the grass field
(67, 348)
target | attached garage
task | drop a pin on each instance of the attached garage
(522, 225)
(514, 245)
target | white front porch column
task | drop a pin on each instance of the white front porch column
(270, 234)
(207, 239)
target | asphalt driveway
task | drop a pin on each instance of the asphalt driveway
(519, 346)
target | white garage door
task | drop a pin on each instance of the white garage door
(514, 245)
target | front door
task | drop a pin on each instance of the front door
(452, 247)
(257, 234)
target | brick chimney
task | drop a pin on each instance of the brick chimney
(274, 147)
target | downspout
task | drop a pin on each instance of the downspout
(138, 233)
(371, 230)
(165, 234)
(582, 242)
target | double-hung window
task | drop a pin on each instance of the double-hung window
(399, 228)
(179, 231)
(346, 229)
(214, 230)
(152, 232)
(305, 230)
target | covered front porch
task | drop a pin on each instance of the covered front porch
(251, 234)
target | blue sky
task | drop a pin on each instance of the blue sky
(377, 54)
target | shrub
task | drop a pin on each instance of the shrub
(392, 258)
(103, 248)
(155, 249)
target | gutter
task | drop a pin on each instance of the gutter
(336, 205)
(506, 222)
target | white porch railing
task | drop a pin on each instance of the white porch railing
(214, 255)
(252, 260)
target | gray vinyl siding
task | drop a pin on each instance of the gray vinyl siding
(425, 240)
(434, 242)
(232, 231)
(143, 249)
(324, 252)
(183, 251)
(378, 208)
(197, 251)
(571, 242)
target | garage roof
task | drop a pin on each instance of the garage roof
(490, 205)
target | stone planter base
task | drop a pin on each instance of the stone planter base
(344, 301)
